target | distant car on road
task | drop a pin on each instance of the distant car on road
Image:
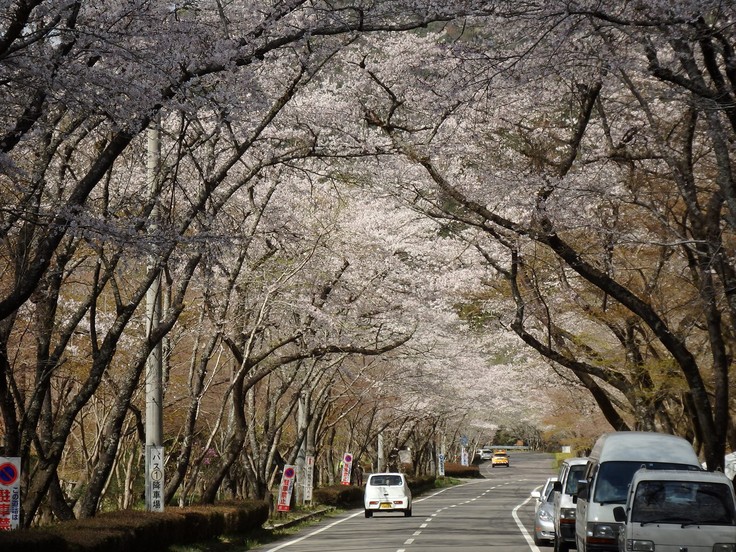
(500, 458)
(544, 521)
(387, 492)
(486, 453)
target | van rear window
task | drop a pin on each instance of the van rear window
(613, 479)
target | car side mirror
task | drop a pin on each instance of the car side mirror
(582, 491)
(557, 486)
(619, 514)
(536, 494)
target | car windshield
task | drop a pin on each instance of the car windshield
(385, 480)
(614, 478)
(575, 475)
(683, 502)
(549, 493)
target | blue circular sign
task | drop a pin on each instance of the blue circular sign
(8, 474)
(289, 472)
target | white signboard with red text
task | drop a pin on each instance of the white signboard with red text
(308, 478)
(286, 488)
(9, 493)
(347, 468)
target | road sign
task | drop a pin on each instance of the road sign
(347, 468)
(286, 488)
(9, 493)
(155, 478)
(8, 474)
(308, 478)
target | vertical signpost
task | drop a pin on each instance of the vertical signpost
(155, 478)
(347, 468)
(441, 465)
(9, 493)
(463, 451)
(286, 488)
(308, 478)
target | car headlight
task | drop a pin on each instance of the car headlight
(636, 545)
(544, 515)
(567, 514)
(724, 547)
(602, 531)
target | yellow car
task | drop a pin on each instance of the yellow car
(500, 458)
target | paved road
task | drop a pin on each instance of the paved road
(494, 513)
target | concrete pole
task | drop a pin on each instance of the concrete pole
(154, 363)
(380, 465)
(302, 454)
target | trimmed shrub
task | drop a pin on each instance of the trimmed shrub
(421, 484)
(35, 540)
(341, 496)
(127, 530)
(458, 470)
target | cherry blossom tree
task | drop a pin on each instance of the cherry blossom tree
(591, 159)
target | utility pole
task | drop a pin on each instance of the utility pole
(301, 456)
(380, 465)
(154, 464)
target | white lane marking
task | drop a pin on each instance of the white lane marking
(409, 541)
(423, 525)
(318, 531)
(524, 532)
(331, 525)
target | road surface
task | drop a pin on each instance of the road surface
(494, 513)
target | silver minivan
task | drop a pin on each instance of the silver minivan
(611, 466)
(678, 510)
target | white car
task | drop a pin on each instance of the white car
(486, 454)
(387, 492)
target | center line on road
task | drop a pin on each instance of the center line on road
(417, 533)
(423, 525)
(409, 541)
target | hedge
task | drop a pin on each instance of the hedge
(126, 530)
(458, 470)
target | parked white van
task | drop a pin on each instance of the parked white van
(611, 467)
(571, 471)
(678, 510)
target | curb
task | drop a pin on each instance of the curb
(296, 521)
